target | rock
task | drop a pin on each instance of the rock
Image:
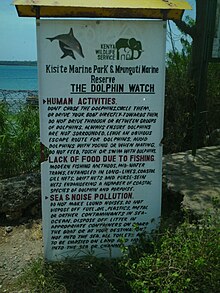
(195, 180)
(214, 137)
(8, 229)
(18, 194)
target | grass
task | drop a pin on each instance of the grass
(86, 275)
(185, 258)
(19, 140)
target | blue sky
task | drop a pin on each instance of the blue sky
(18, 34)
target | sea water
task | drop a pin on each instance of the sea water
(17, 83)
(16, 77)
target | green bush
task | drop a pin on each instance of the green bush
(187, 260)
(179, 104)
(213, 100)
(19, 140)
(182, 259)
(76, 276)
(180, 101)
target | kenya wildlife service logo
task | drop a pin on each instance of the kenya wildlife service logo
(123, 49)
(68, 44)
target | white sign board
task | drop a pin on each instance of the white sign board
(101, 106)
(216, 39)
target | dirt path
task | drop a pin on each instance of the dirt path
(18, 246)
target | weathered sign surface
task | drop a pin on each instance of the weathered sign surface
(101, 88)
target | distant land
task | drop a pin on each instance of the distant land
(20, 63)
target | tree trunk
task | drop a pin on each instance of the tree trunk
(198, 67)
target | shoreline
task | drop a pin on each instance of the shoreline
(19, 63)
(16, 91)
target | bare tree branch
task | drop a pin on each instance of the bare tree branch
(184, 27)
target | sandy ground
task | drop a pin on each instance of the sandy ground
(18, 246)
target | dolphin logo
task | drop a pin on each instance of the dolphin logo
(68, 44)
(66, 52)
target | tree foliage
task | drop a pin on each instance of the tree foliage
(180, 99)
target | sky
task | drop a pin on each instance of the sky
(18, 34)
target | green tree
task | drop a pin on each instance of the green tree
(180, 103)
(200, 32)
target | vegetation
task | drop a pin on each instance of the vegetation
(201, 31)
(19, 140)
(182, 259)
(180, 101)
(186, 260)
